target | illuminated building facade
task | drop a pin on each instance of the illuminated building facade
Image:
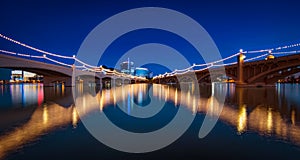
(127, 67)
(143, 72)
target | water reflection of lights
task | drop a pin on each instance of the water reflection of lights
(26, 94)
(40, 95)
(242, 119)
(231, 89)
(141, 91)
(128, 102)
(194, 106)
(269, 121)
(45, 115)
(101, 101)
(43, 120)
(260, 119)
(176, 97)
(114, 96)
(167, 92)
(74, 117)
(188, 98)
(63, 89)
(293, 117)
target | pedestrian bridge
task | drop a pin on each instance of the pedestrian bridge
(261, 72)
(56, 73)
(252, 71)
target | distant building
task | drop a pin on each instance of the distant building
(23, 76)
(127, 67)
(17, 75)
(143, 72)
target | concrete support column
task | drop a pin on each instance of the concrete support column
(73, 81)
(240, 74)
(113, 81)
(100, 81)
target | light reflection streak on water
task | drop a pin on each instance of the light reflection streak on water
(293, 117)
(269, 121)
(53, 116)
(242, 119)
(74, 117)
(128, 103)
(176, 97)
(45, 115)
(26, 94)
(262, 119)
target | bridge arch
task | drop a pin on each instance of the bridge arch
(187, 78)
(206, 76)
(172, 80)
(52, 73)
(273, 75)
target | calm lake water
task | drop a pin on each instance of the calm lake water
(43, 123)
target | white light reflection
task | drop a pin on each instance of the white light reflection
(242, 119)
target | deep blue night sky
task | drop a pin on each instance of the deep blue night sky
(61, 27)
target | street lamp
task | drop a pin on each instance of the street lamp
(270, 56)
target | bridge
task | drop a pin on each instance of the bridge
(244, 73)
(253, 71)
(59, 74)
(58, 71)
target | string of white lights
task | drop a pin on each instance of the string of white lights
(182, 71)
(288, 46)
(8, 52)
(115, 73)
(227, 64)
(39, 57)
(88, 69)
(250, 59)
(201, 65)
(33, 48)
(224, 59)
(23, 55)
(194, 70)
(277, 48)
(259, 51)
(275, 53)
(205, 64)
(55, 61)
(44, 52)
(289, 52)
(85, 64)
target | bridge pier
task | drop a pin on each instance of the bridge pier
(100, 82)
(240, 73)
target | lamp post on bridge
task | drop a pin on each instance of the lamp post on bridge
(73, 75)
(240, 74)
